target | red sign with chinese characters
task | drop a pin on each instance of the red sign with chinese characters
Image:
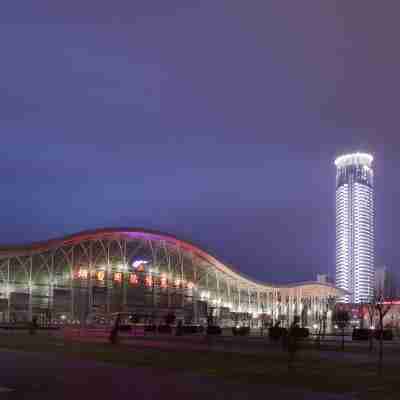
(83, 273)
(100, 275)
(149, 280)
(118, 277)
(133, 279)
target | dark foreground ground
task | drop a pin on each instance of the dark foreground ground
(45, 376)
(46, 367)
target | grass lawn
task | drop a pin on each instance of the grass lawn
(309, 372)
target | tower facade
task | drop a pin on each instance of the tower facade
(355, 226)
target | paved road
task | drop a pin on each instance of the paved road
(34, 376)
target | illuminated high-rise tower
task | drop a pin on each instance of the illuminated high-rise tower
(355, 226)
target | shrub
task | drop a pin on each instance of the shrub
(191, 329)
(241, 331)
(164, 329)
(386, 334)
(361, 334)
(276, 332)
(213, 330)
(301, 333)
(150, 328)
(170, 319)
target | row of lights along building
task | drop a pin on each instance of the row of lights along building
(96, 274)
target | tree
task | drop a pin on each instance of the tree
(371, 311)
(368, 311)
(379, 307)
(341, 318)
(382, 307)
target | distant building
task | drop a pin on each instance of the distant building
(380, 279)
(324, 278)
(355, 227)
(385, 282)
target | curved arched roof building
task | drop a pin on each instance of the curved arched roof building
(105, 271)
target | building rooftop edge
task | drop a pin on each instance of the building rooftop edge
(354, 159)
(34, 248)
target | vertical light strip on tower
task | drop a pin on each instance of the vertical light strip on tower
(355, 227)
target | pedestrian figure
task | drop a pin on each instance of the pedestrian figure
(33, 326)
(115, 330)
(179, 329)
(292, 343)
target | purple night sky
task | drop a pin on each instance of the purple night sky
(217, 121)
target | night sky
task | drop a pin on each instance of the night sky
(217, 121)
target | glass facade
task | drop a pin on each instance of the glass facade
(355, 227)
